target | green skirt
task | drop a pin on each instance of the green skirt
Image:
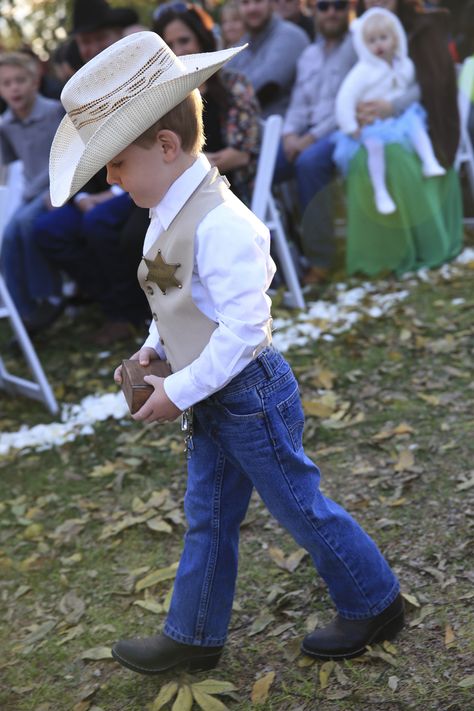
(425, 231)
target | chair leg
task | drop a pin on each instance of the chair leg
(39, 389)
(284, 255)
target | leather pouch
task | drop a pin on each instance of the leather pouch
(134, 388)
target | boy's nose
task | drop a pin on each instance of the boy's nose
(110, 178)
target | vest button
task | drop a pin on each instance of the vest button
(155, 317)
(162, 342)
(149, 290)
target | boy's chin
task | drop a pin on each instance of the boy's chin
(141, 203)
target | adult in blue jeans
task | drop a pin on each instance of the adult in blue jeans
(306, 149)
(86, 245)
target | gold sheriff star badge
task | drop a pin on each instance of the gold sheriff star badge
(162, 273)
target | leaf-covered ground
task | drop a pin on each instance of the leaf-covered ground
(90, 532)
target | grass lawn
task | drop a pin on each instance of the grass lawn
(85, 526)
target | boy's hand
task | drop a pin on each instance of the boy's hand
(144, 355)
(158, 407)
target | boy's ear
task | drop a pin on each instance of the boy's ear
(170, 144)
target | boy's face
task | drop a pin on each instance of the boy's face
(142, 173)
(18, 88)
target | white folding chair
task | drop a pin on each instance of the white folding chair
(11, 187)
(264, 207)
(39, 388)
(465, 152)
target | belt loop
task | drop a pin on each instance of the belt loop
(266, 365)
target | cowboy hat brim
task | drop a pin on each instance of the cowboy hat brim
(72, 162)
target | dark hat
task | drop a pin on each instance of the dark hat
(92, 15)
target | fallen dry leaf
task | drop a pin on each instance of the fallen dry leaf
(325, 672)
(406, 460)
(449, 636)
(96, 654)
(261, 688)
(157, 576)
(166, 694)
(184, 699)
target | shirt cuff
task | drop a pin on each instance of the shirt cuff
(181, 389)
(116, 190)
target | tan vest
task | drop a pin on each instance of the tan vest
(165, 276)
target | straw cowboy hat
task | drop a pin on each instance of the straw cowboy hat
(114, 98)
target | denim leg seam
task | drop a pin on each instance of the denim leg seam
(211, 565)
(322, 536)
(310, 521)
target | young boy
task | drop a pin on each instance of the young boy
(26, 134)
(205, 271)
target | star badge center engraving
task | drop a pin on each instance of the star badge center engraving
(162, 273)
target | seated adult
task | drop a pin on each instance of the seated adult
(83, 238)
(426, 229)
(269, 61)
(231, 112)
(306, 153)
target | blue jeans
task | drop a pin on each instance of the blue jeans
(314, 171)
(29, 275)
(248, 435)
(87, 247)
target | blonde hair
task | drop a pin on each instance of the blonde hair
(185, 120)
(380, 22)
(19, 59)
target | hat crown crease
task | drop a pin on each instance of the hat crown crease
(87, 117)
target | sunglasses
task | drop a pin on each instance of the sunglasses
(338, 5)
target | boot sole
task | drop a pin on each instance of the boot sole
(204, 663)
(389, 631)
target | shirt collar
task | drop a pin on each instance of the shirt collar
(180, 191)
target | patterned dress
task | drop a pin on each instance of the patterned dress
(240, 126)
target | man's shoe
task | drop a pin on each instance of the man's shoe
(345, 639)
(154, 655)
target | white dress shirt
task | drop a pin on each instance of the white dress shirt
(231, 275)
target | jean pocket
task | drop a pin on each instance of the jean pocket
(291, 413)
(244, 404)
